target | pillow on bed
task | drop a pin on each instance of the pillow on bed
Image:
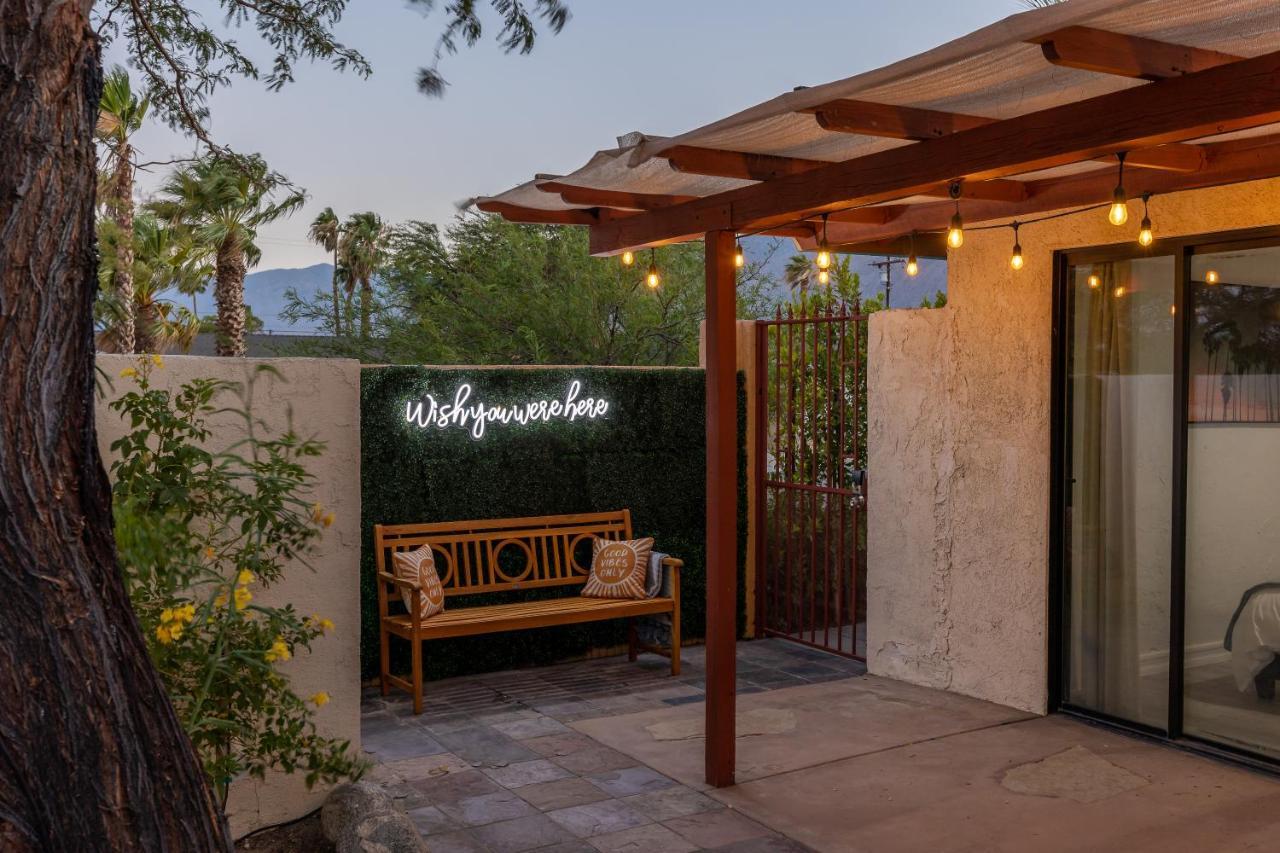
(418, 567)
(619, 569)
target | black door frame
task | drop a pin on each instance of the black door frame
(1182, 249)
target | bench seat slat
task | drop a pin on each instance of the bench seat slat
(492, 618)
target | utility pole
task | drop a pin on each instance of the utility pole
(886, 276)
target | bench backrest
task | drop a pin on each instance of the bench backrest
(490, 555)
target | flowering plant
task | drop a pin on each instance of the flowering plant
(198, 531)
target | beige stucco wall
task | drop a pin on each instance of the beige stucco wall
(959, 454)
(324, 398)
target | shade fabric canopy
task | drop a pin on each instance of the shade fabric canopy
(1028, 63)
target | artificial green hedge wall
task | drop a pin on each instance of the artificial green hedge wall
(646, 454)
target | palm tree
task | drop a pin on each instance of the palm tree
(222, 200)
(327, 231)
(363, 244)
(798, 273)
(120, 114)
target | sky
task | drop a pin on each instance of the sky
(661, 67)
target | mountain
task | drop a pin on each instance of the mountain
(264, 292)
(906, 292)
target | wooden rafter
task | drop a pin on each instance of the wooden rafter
(539, 216)
(1240, 95)
(891, 122)
(1106, 52)
(612, 198)
(735, 164)
(997, 190)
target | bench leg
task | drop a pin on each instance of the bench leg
(417, 675)
(675, 639)
(633, 643)
(384, 650)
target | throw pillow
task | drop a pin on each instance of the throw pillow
(419, 568)
(618, 568)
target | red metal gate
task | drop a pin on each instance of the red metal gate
(811, 454)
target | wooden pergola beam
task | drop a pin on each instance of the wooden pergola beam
(1167, 158)
(593, 197)
(735, 164)
(892, 122)
(537, 216)
(1106, 52)
(1230, 97)
(997, 190)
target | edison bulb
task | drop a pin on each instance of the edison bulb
(653, 279)
(913, 266)
(628, 259)
(1146, 236)
(955, 234)
(1095, 281)
(1211, 277)
(824, 277)
(1119, 291)
(1016, 260)
(739, 259)
(824, 259)
(1119, 212)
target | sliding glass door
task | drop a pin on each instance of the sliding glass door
(1167, 491)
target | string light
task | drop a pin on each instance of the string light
(824, 252)
(1120, 291)
(1095, 281)
(1145, 235)
(628, 259)
(652, 280)
(739, 259)
(913, 266)
(824, 277)
(1211, 277)
(1016, 260)
(1119, 212)
(955, 234)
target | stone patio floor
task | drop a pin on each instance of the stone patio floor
(606, 755)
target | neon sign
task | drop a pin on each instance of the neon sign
(476, 417)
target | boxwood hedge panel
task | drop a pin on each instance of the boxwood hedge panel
(646, 453)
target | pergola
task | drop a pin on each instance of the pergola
(1021, 117)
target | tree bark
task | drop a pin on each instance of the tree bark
(337, 310)
(228, 293)
(366, 303)
(122, 208)
(146, 321)
(92, 756)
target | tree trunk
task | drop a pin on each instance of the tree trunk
(145, 328)
(122, 207)
(92, 756)
(228, 293)
(366, 302)
(337, 309)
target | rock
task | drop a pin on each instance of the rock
(361, 818)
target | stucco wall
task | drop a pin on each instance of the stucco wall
(959, 454)
(324, 398)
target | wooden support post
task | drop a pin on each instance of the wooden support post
(722, 506)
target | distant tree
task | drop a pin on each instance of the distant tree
(222, 201)
(326, 230)
(120, 116)
(362, 246)
(939, 300)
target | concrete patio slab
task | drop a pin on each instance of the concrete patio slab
(795, 727)
(1047, 784)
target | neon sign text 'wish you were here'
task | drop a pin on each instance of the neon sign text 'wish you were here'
(475, 417)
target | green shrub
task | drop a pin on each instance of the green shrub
(647, 454)
(198, 531)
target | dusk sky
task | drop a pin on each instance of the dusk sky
(662, 67)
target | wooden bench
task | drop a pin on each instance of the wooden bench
(501, 555)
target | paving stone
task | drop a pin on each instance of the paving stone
(430, 820)
(563, 793)
(668, 803)
(578, 845)
(598, 759)
(400, 743)
(685, 700)
(598, 818)
(456, 842)
(453, 787)
(526, 773)
(537, 726)
(488, 808)
(714, 829)
(809, 671)
(630, 780)
(425, 767)
(560, 744)
(483, 745)
(642, 839)
(764, 844)
(525, 833)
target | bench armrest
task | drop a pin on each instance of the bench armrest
(405, 586)
(671, 578)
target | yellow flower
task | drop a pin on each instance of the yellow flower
(329, 519)
(175, 630)
(128, 372)
(279, 651)
(157, 360)
(185, 613)
(221, 599)
(245, 577)
(163, 634)
(166, 615)
(317, 512)
(321, 699)
(243, 597)
(326, 625)
(209, 552)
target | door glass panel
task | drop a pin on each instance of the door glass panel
(1119, 500)
(1233, 501)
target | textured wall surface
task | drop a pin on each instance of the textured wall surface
(959, 453)
(324, 398)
